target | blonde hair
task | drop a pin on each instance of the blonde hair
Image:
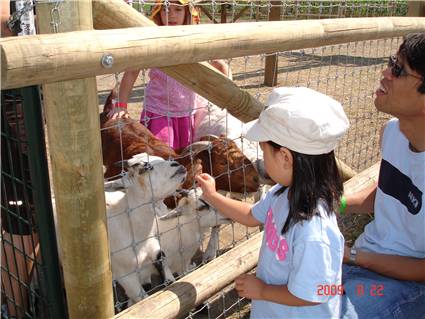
(191, 14)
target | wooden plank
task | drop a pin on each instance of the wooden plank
(49, 58)
(345, 171)
(74, 147)
(223, 14)
(416, 9)
(363, 179)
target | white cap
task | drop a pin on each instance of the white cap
(302, 120)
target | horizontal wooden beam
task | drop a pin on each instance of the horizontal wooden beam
(56, 57)
(363, 180)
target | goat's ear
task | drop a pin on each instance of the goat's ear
(182, 193)
(209, 138)
(115, 185)
(124, 164)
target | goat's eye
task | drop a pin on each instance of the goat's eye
(147, 166)
(204, 205)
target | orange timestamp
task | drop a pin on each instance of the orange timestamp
(375, 290)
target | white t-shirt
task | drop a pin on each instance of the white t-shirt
(399, 224)
(307, 259)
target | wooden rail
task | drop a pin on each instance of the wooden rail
(50, 58)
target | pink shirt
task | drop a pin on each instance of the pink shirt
(166, 96)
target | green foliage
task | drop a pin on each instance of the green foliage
(311, 9)
(259, 10)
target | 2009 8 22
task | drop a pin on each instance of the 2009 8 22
(330, 290)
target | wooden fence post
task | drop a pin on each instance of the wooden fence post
(271, 65)
(71, 109)
(416, 9)
(223, 13)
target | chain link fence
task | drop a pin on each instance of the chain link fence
(348, 72)
(31, 281)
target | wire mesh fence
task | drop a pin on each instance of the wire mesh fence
(31, 284)
(348, 72)
(222, 11)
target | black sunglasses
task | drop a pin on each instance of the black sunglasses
(398, 70)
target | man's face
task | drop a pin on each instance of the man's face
(399, 96)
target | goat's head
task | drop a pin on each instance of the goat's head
(190, 203)
(123, 138)
(232, 169)
(151, 177)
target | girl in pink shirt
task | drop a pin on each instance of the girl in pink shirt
(169, 108)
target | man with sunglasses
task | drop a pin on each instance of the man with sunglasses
(384, 274)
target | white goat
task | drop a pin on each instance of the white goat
(131, 215)
(182, 231)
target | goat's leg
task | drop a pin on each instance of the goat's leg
(212, 247)
(133, 288)
(163, 269)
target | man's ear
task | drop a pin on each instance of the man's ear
(286, 156)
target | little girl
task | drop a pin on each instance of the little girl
(170, 108)
(299, 268)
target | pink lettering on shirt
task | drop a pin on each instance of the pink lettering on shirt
(275, 242)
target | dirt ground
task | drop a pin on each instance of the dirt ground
(347, 72)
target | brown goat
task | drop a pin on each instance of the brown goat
(232, 170)
(222, 158)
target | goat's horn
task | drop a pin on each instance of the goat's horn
(176, 212)
(108, 106)
(123, 163)
(114, 185)
(183, 192)
(197, 147)
(209, 137)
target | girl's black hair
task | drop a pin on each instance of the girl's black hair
(315, 177)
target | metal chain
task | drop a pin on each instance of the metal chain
(55, 17)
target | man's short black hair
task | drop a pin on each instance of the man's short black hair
(413, 51)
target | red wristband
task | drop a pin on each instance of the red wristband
(120, 105)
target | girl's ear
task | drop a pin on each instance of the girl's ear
(286, 156)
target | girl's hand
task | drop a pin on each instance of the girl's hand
(118, 112)
(207, 183)
(249, 286)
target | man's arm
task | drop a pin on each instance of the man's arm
(397, 267)
(4, 17)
